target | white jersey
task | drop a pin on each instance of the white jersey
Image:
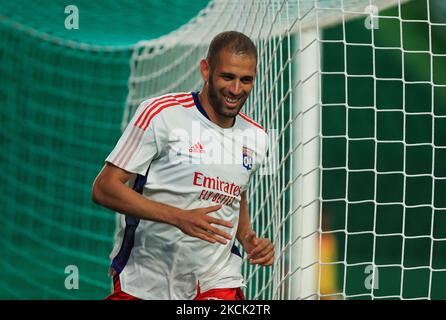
(183, 159)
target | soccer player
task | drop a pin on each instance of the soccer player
(178, 175)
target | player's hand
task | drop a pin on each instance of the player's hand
(197, 223)
(260, 250)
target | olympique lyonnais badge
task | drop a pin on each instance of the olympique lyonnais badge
(247, 158)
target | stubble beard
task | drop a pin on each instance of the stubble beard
(218, 105)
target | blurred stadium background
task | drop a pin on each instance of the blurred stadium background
(65, 95)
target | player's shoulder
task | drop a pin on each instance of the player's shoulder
(248, 122)
(164, 102)
(168, 105)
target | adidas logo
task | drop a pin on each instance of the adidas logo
(197, 148)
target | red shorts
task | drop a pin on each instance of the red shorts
(117, 293)
(213, 294)
(220, 294)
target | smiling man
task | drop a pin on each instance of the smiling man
(228, 74)
(179, 218)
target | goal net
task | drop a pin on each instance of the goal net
(352, 92)
(353, 95)
(62, 98)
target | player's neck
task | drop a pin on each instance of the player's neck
(219, 120)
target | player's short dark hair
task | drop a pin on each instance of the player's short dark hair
(233, 41)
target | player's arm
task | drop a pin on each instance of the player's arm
(260, 250)
(110, 190)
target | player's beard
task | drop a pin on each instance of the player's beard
(216, 99)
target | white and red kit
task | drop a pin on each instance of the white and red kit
(183, 159)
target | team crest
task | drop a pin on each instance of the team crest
(247, 158)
